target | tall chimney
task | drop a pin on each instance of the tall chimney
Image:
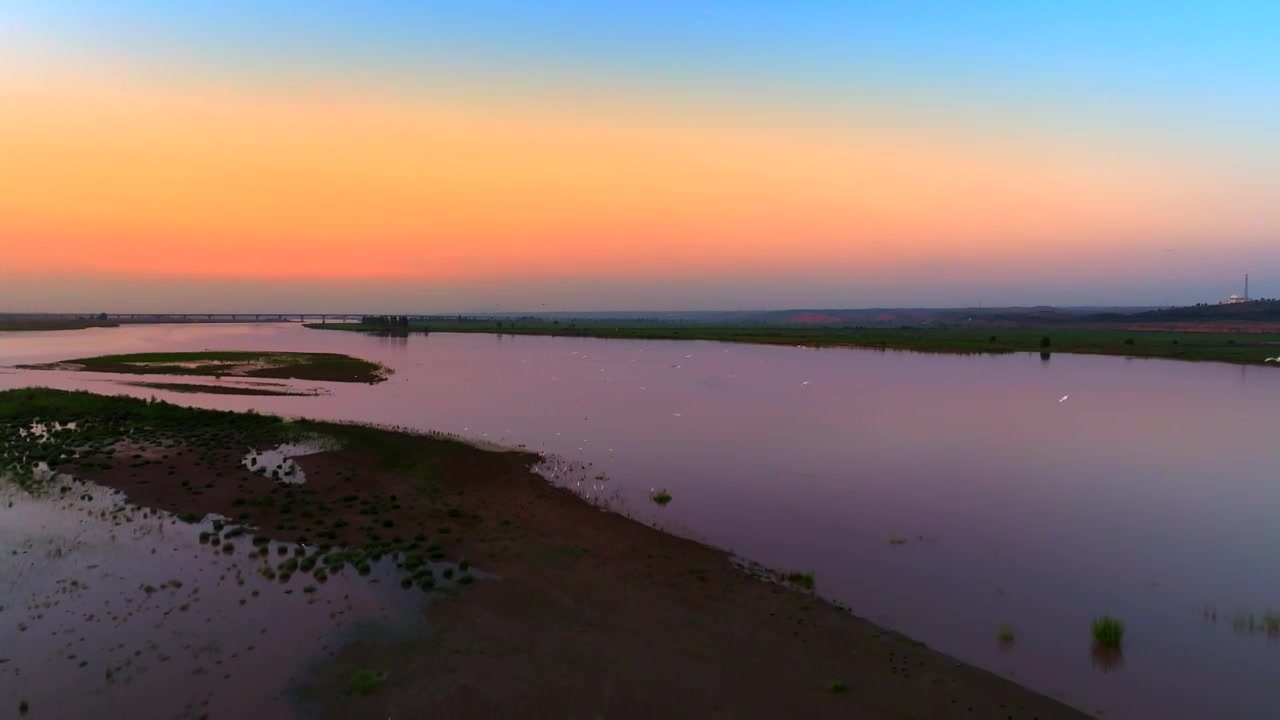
(1246, 286)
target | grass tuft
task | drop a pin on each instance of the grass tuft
(367, 682)
(1108, 631)
(803, 579)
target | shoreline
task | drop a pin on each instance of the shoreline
(594, 613)
(1226, 345)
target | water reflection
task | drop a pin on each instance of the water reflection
(1267, 624)
(105, 599)
(1106, 659)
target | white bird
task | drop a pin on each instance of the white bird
(1064, 398)
(1274, 359)
(806, 382)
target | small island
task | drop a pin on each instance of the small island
(327, 367)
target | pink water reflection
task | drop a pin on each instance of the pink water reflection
(1150, 492)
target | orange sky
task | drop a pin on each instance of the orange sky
(152, 178)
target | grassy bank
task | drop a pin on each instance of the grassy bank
(44, 325)
(591, 614)
(1230, 347)
(330, 367)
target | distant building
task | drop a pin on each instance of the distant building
(1237, 299)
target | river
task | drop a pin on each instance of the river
(940, 495)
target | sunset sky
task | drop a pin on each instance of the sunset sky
(478, 156)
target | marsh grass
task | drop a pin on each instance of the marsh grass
(1108, 631)
(805, 580)
(837, 686)
(661, 497)
(1005, 634)
(1247, 623)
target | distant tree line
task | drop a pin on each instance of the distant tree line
(386, 322)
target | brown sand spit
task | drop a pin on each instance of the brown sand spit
(593, 614)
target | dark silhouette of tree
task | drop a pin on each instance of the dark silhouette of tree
(399, 324)
(1045, 341)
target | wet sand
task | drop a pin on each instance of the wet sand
(591, 614)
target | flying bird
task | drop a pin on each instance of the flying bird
(1064, 398)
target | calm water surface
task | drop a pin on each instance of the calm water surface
(940, 495)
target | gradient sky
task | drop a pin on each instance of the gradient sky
(453, 157)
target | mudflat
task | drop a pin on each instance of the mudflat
(572, 612)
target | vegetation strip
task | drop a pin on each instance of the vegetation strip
(48, 325)
(219, 389)
(332, 367)
(1230, 347)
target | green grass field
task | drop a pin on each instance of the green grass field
(1240, 348)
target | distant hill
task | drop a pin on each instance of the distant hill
(1252, 311)
(852, 317)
